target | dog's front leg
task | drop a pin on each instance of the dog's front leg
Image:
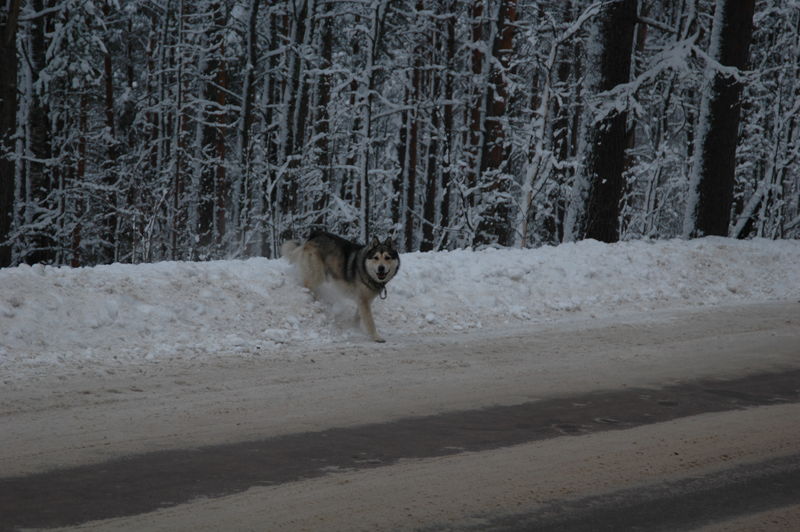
(365, 311)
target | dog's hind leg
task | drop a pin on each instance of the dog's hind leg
(312, 270)
(365, 311)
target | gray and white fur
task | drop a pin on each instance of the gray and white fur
(361, 272)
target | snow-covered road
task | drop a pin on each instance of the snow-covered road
(68, 420)
(99, 364)
(89, 417)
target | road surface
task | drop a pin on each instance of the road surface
(678, 420)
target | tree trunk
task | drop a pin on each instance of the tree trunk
(268, 194)
(401, 177)
(40, 169)
(110, 166)
(477, 105)
(494, 226)
(79, 176)
(708, 206)
(432, 195)
(303, 87)
(289, 137)
(502, 48)
(220, 131)
(605, 160)
(365, 92)
(322, 125)
(244, 185)
(447, 159)
(8, 123)
(178, 142)
(410, 184)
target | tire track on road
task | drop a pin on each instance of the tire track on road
(685, 504)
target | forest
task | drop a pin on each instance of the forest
(149, 130)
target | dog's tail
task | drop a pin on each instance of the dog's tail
(291, 250)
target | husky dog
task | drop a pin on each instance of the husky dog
(359, 271)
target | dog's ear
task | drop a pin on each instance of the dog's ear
(390, 243)
(375, 242)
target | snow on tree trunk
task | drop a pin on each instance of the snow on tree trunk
(448, 117)
(608, 140)
(412, 159)
(708, 205)
(600, 186)
(244, 180)
(481, 63)
(366, 88)
(111, 229)
(495, 222)
(321, 123)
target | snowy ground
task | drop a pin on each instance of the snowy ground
(121, 315)
(106, 362)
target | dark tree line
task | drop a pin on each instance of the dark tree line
(167, 129)
(9, 19)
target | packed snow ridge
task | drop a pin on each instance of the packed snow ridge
(127, 314)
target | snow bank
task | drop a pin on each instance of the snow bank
(122, 314)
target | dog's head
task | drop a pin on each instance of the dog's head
(381, 260)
